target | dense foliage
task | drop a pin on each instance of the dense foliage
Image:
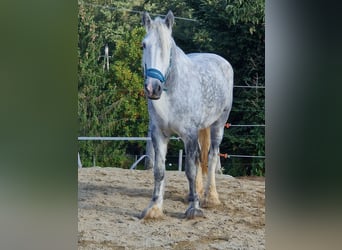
(112, 102)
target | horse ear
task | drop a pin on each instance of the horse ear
(146, 20)
(169, 19)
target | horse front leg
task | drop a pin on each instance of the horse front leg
(155, 208)
(149, 160)
(191, 166)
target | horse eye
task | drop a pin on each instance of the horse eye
(143, 45)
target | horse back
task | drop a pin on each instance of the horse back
(214, 73)
(211, 61)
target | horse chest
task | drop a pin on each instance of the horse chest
(161, 109)
(173, 115)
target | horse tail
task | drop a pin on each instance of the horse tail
(204, 141)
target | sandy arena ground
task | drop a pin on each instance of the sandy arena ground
(110, 201)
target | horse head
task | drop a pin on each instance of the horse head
(157, 56)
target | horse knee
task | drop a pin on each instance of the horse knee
(190, 172)
(159, 175)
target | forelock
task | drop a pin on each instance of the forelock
(163, 33)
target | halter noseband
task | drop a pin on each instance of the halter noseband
(154, 73)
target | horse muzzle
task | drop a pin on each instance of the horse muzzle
(153, 88)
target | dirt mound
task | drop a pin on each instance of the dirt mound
(110, 201)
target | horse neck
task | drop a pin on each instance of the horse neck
(177, 55)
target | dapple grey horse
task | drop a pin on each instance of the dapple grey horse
(186, 93)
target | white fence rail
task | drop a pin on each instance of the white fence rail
(83, 138)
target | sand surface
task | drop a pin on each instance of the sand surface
(110, 201)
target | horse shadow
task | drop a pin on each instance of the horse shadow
(92, 190)
(88, 192)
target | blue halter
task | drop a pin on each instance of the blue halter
(154, 73)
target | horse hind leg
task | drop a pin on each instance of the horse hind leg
(199, 182)
(211, 197)
(202, 168)
(204, 141)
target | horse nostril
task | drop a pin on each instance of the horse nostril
(159, 88)
(148, 88)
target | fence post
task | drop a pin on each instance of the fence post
(79, 160)
(180, 158)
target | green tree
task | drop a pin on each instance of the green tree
(235, 29)
(111, 102)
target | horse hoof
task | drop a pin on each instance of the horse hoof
(212, 201)
(192, 213)
(153, 212)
